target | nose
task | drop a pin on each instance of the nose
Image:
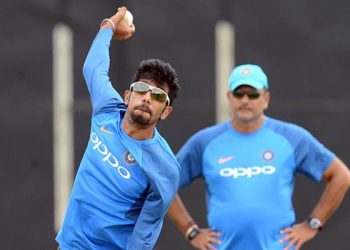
(147, 97)
(245, 98)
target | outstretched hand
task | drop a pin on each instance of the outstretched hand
(206, 239)
(297, 235)
(122, 29)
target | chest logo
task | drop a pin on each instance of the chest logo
(247, 172)
(107, 156)
(223, 160)
(129, 158)
(268, 155)
(103, 130)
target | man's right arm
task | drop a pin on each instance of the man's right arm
(203, 238)
(97, 62)
(96, 69)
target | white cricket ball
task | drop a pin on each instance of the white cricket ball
(129, 18)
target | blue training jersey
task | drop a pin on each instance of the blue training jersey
(123, 186)
(250, 179)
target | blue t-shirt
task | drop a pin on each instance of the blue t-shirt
(123, 186)
(250, 179)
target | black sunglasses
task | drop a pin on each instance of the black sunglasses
(156, 93)
(251, 94)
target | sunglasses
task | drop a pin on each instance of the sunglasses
(252, 95)
(156, 93)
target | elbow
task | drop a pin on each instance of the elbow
(87, 69)
(339, 174)
(348, 180)
(346, 176)
(345, 180)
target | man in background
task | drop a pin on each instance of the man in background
(248, 165)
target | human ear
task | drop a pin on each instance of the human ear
(127, 94)
(166, 112)
(266, 99)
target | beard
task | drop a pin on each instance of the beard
(141, 119)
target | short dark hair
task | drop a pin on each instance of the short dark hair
(162, 73)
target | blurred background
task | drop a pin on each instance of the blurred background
(302, 45)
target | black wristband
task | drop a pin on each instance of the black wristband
(193, 233)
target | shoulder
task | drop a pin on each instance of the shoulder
(285, 128)
(111, 108)
(110, 112)
(167, 151)
(297, 136)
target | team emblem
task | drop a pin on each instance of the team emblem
(246, 72)
(129, 159)
(268, 155)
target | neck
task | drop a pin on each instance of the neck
(137, 131)
(247, 127)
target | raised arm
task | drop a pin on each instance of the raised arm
(97, 62)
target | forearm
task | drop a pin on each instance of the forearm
(179, 215)
(148, 224)
(337, 185)
(163, 179)
(97, 60)
(96, 68)
(338, 181)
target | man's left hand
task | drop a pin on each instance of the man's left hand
(297, 235)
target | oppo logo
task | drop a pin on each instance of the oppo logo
(247, 172)
(107, 156)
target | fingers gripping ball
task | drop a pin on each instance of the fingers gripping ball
(129, 18)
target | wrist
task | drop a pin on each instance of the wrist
(191, 232)
(185, 227)
(109, 22)
(314, 224)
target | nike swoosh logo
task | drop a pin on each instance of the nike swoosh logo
(103, 130)
(223, 160)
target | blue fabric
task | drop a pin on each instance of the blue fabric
(123, 187)
(250, 179)
(248, 74)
